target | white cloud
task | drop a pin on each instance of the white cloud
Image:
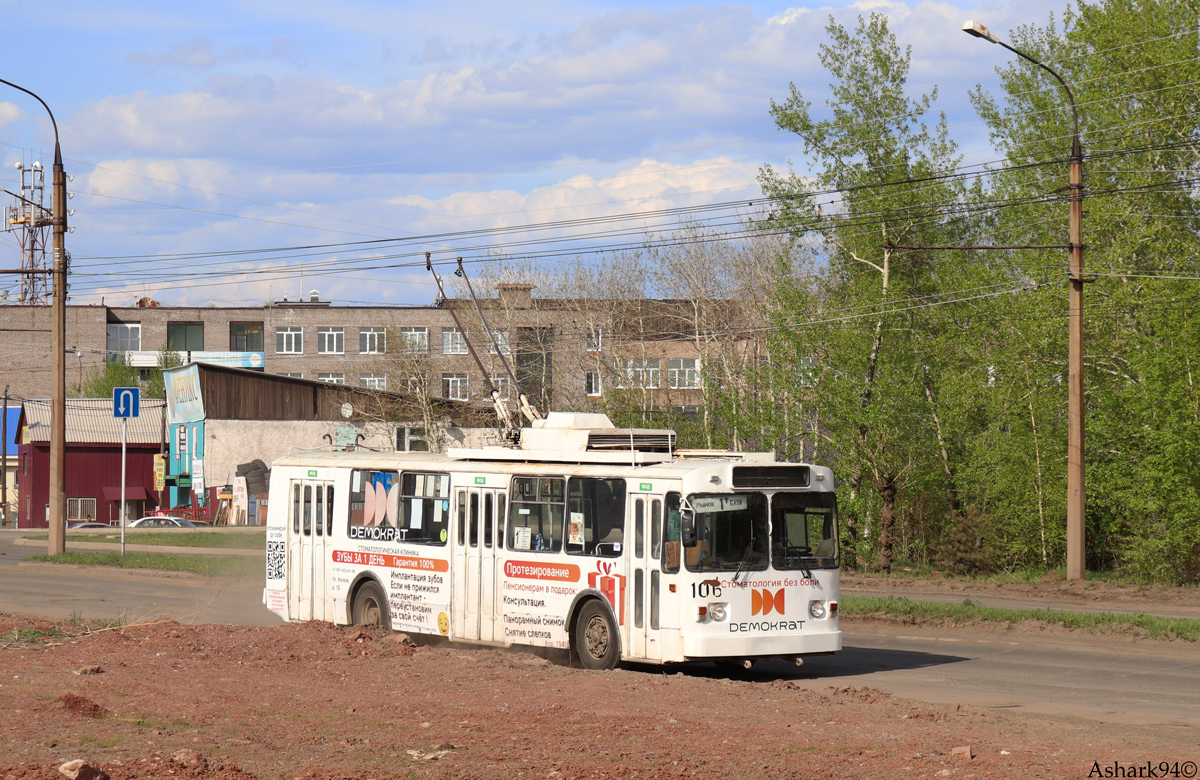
(9, 113)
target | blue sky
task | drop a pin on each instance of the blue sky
(214, 127)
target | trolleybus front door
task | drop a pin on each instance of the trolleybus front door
(643, 582)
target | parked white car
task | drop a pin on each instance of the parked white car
(161, 522)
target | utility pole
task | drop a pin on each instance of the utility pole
(58, 418)
(1076, 500)
(1076, 497)
(57, 518)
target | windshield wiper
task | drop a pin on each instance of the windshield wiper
(742, 563)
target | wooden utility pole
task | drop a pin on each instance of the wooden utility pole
(57, 514)
(1076, 501)
(1076, 497)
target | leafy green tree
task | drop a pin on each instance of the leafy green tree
(1136, 80)
(867, 351)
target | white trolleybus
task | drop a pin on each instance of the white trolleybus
(599, 540)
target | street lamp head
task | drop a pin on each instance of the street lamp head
(971, 27)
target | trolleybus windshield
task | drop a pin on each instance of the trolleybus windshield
(804, 531)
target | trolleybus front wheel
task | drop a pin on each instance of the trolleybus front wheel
(370, 607)
(596, 640)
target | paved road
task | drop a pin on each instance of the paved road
(1109, 679)
(57, 591)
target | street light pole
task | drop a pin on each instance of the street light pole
(57, 519)
(1076, 502)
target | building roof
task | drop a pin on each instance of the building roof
(91, 421)
(13, 413)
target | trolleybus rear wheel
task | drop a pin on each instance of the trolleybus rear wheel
(370, 607)
(596, 640)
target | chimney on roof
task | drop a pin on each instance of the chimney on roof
(513, 295)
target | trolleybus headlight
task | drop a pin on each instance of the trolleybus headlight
(717, 612)
(816, 609)
(833, 609)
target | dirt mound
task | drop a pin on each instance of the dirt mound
(81, 705)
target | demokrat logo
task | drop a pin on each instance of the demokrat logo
(762, 601)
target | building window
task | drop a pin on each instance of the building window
(245, 337)
(501, 339)
(687, 412)
(289, 341)
(124, 337)
(639, 373)
(411, 440)
(594, 340)
(683, 373)
(592, 384)
(453, 342)
(331, 341)
(502, 383)
(185, 337)
(372, 341)
(373, 381)
(293, 375)
(454, 387)
(81, 509)
(418, 384)
(333, 379)
(414, 340)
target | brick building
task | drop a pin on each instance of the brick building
(567, 354)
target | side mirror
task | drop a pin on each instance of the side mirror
(687, 528)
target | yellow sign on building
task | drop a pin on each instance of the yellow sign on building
(160, 472)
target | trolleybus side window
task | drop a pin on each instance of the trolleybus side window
(487, 520)
(536, 514)
(329, 510)
(296, 508)
(424, 507)
(671, 523)
(595, 516)
(473, 533)
(373, 498)
(639, 529)
(320, 507)
(462, 517)
(731, 532)
(804, 530)
(655, 528)
(500, 520)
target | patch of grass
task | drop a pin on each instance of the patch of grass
(1148, 625)
(31, 635)
(212, 539)
(207, 565)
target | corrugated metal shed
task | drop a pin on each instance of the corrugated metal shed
(91, 421)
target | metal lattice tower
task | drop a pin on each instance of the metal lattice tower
(31, 221)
